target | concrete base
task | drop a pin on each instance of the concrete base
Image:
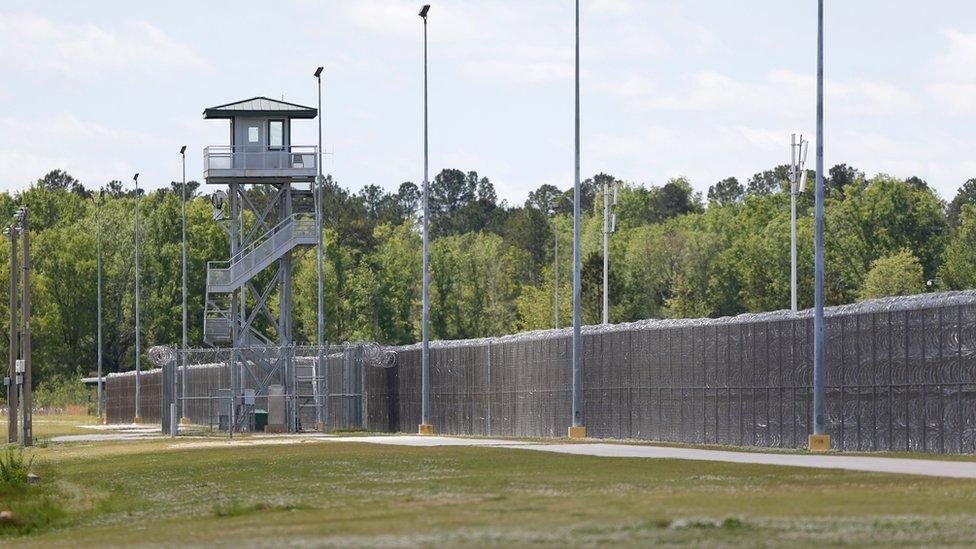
(426, 429)
(819, 443)
(275, 429)
(320, 426)
(137, 420)
(577, 432)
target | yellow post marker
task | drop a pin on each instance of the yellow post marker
(426, 429)
(577, 432)
(819, 443)
(137, 420)
(320, 426)
(184, 420)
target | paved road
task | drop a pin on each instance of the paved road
(926, 467)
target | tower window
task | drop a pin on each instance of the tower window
(276, 134)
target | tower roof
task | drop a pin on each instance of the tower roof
(260, 106)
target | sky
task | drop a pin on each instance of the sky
(700, 88)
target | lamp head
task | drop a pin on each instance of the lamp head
(318, 72)
(136, 178)
(424, 10)
(217, 201)
(183, 150)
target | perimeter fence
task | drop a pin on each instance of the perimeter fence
(901, 375)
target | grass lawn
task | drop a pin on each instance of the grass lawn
(314, 493)
(47, 426)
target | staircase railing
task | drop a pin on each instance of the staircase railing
(269, 246)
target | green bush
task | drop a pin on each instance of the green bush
(61, 392)
(14, 469)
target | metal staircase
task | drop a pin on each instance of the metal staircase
(226, 277)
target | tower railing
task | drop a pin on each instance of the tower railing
(227, 160)
(295, 230)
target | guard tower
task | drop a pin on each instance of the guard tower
(268, 212)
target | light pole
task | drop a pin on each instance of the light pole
(798, 183)
(320, 398)
(609, 226)
(98, 268)
(577, 430)
(137, 418)
(183, 417)
(555, 232)
(425, 426)
(819, 440)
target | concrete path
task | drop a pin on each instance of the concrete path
(925, 467)
(129, 431)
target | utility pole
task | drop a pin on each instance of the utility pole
(425, 428)
(137, 419)
(819, 440)
(13, 380)
(27, 401)
(798, 182)
(577, 430)
(609, 226)
(321, 389)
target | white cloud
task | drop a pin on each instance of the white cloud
(959, 64)
(532, 71)
(37, 44)
(779, 93)
(955, 74)
(92, 152)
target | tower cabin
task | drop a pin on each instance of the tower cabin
(260, 149)
(264, 225)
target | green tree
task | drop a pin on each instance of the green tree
(725, 192)
(958, 270)
(965, 195)
(896, 274)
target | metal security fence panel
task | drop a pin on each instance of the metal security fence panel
(901, 375)
(207, 381)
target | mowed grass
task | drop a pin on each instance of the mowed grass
(47, 426)
(347, 493)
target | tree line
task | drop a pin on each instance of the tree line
(676, 253)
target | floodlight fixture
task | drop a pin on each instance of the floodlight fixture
(318, 72)
(424, 10)
(183, 150)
